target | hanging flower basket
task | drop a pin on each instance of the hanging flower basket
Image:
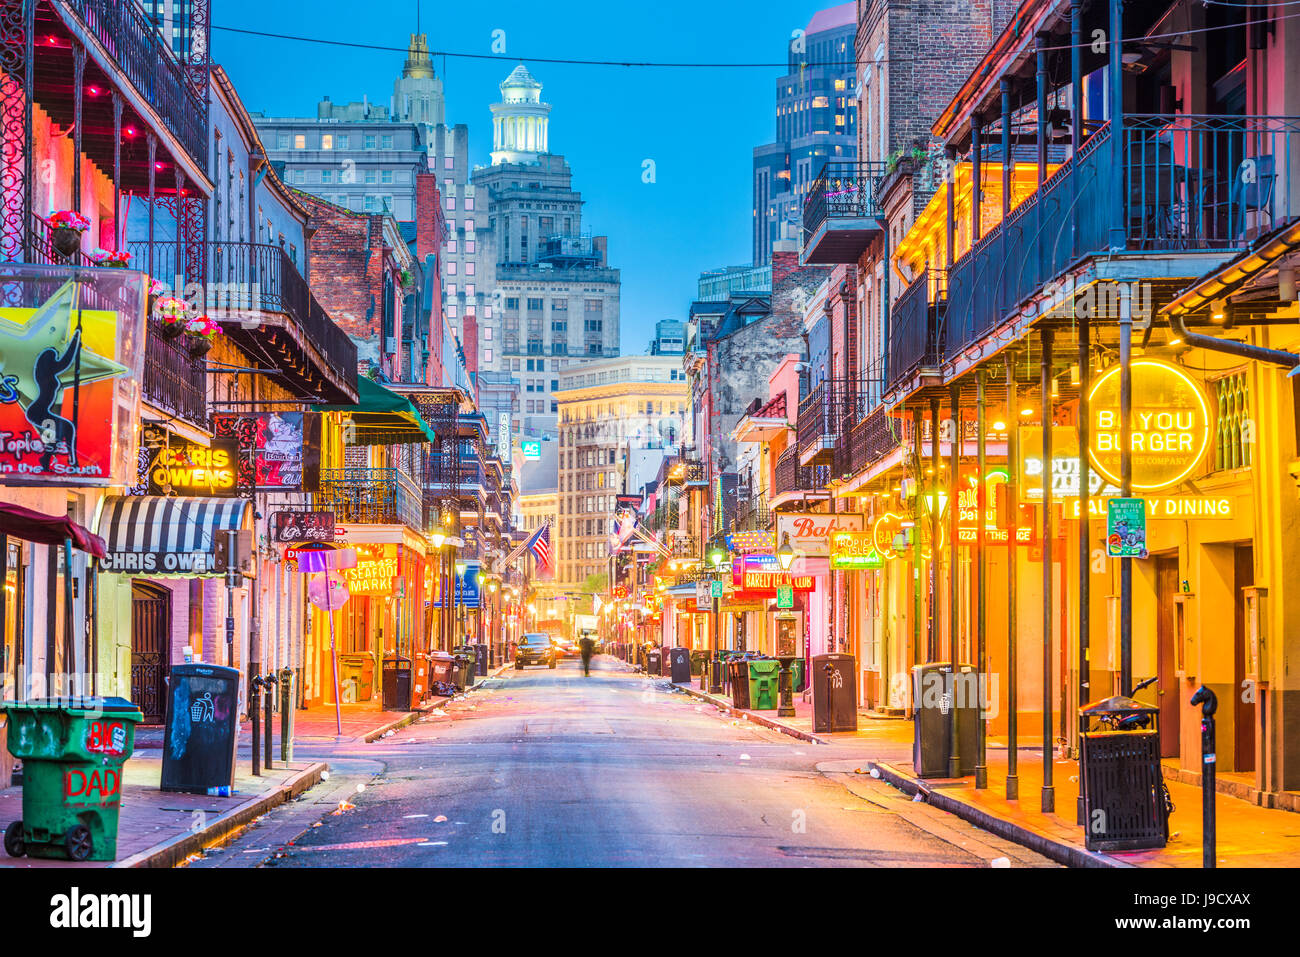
(172, 313)
(201, 328)
(199, 347)
(66, 228)
(110, 259)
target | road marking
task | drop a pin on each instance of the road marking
(359, 845)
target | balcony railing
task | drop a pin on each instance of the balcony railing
(752, 513)
(826, 413)
(915, 332)
(370, 496)
(1187, 183)
(869, 441)
(841, 212)
(149, 64)
(173, 381)
(790, 476)
(254, 277)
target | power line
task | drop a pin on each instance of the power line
(663, 64)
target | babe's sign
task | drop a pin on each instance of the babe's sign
(810, 531)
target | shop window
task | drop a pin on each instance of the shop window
(1235, 436)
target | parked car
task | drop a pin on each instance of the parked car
(535, 648)
(564, 648)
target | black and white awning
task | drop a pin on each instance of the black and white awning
(159, 535)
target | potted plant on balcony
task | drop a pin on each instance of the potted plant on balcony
(406, 279)
(201, 331)
(111, 259)
(66, 229)
(171, 312)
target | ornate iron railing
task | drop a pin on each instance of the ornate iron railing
(371, 496)
(842, 191)
(128, 36)
(827, 412)
(915, 332)
(173, 380)
(790, 476)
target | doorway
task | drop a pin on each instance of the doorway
(1167, 681)
(1244, 712)
(151, 616)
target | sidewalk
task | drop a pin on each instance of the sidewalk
(161, 828)
(1247, 835)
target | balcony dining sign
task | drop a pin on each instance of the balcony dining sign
(71, 359)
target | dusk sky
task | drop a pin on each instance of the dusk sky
(698, 125)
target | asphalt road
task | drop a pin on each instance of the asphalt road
(551, 768)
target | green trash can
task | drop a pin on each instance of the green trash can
(73, 751)
(796, 675)
(763, 676)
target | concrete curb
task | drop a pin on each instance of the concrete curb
(171, 852)
(723, 705)
(1062, 852)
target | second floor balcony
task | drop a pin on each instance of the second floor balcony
(824, 415)
(790, 480)
(841, 215)
(365, 496)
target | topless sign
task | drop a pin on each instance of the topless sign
(69, 375)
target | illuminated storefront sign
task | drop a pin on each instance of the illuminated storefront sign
(855, 550)
(377, 566)
(1170, 506)
(810, 531)
(1171, 425)
(189, 469)
(968, 531)
(766, 583)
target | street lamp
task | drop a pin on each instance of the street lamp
(785, 554)
(716, 556)
(459, 599)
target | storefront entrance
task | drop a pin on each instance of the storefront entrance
(1245, 712)
(1169, 684)
(151, 615)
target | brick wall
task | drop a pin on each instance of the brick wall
(347, 258)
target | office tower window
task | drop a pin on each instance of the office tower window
(386, 142)
(282, 141)
(300, 141)
(327, 141)
(370, 141)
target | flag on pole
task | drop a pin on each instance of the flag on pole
(540, 546)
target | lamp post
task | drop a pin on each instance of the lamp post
(716, 558)
(786, 650)
(459, 599)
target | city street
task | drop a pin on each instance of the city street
(546, 767)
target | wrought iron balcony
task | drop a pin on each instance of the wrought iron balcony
(1186, 183)
(790, 476)
(915, 332)
(752, 513)
(824, 415)
(370, 496)
(841, 215)
(246, 279)
(173, 380)
(147, 62)
(867, 442)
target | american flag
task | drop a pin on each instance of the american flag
(540, 546)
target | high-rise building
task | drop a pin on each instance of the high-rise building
(719, 285)
(555, 299)
(816, 120)
(670, 338)
(608, 409)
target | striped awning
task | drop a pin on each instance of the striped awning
(160, 535)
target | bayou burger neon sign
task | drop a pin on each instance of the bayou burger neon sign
(1171, 425)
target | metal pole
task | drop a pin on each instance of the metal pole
(916, 548)
(981, 660)
(1115, 72)
(1209, 703)
(1048, 791)
(715, 665)
(334, 657)
(1085, 531)
(1126, 484)
(1013, 558)
(932, 640)
(269, 682)
(954, 619)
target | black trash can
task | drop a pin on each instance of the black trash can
(202, 728)
(1125, 803)
(397, 683)
(737, 671)
(463, 672)
(698, 659)
(932, 702)
(679, 664)
(481, 660)
(655, 661)
(835, 693)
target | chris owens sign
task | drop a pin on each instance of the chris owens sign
(1171, 425)
(810, 531)
(195, 469)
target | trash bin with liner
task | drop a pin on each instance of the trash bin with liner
(654, 661)
(933, 697)
(698, 658)
(73, 751)
(442, 672)
(464, 672)
(762, 676)
(201, 729)
(679, 664)
(1126, 803)
(397, 683)
(738, 671)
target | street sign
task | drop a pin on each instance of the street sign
(784, 596)
(715, 589)
(1126, 528)
(703, 600)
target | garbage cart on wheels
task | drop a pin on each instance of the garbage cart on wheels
(73, 751)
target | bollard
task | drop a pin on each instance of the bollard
(255, 713)
(829, 668)
(286, 715)
(1209, 703)
(269, 682)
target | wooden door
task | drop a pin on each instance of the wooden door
(151, 616)
(1245, 714)
(1168, 684)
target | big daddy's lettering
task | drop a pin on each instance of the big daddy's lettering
(92, 786)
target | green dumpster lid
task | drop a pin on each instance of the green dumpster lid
(84, 704)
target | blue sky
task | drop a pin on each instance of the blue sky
(697, 125)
